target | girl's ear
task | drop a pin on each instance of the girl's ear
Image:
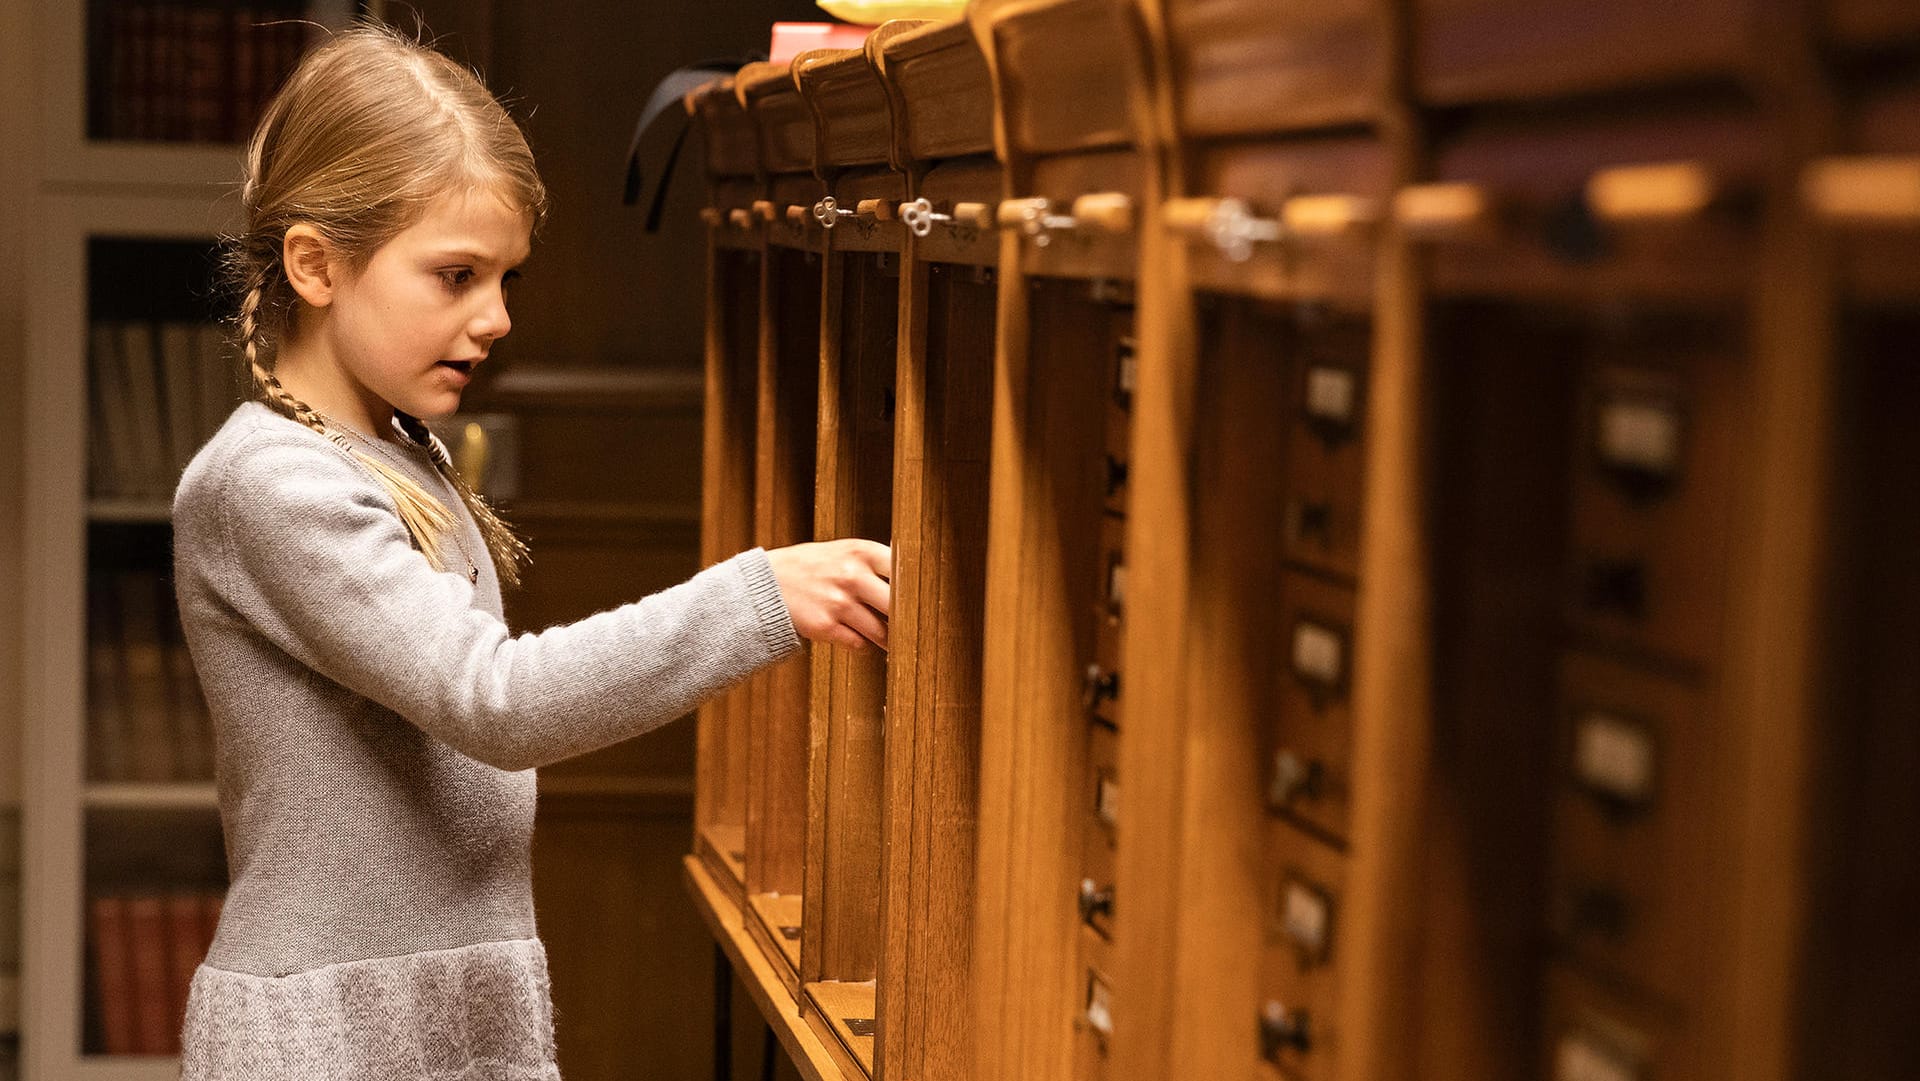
(307, 257)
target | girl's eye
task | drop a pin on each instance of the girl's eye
(456, 278)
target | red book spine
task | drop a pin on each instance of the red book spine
(187, 946)
(153, 1010)
(113, 972)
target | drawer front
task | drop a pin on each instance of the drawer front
(1594, 1035)
(1636, 857)
(1326, 407)
(1308, 767)
(1652, 471)
(1298, 1012)
(1101, 806)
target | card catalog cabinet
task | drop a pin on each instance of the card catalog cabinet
(1401, 541)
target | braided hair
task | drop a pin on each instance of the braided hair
(367, 132)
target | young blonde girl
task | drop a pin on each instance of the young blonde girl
(378, 727)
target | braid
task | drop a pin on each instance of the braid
(427, 521)
(508, 550)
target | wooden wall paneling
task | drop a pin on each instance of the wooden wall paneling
(790, 304)
(1065, 129)
(1486, 50)
(728, 456)
(1865, 889)
(941, 104)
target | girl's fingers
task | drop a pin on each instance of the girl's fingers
(868, 624)
(878, 556)
(874, 592)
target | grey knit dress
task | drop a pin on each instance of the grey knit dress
(377, 730)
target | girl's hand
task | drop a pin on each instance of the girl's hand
(837, 591)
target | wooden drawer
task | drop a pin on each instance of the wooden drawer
(942, 89)
(787, 214)
(1106, 686)
(965, 194)
(852, 122)
(1097, 901)
(780, 117)
(1636, 856)
(1327, 394)
(865, 214)
(1254, 67)
(1119, 452)
(1298, 1013)
(1594, 1035)
(1065, 69)
(1658, 416)
(1308, 769)
(1473, 50)
(1064, 240)
(1093, 1023)
(732, 148)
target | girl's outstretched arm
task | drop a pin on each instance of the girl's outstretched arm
(293, 536)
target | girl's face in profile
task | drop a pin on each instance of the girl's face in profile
(413, 323)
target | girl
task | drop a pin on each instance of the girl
(339, 584)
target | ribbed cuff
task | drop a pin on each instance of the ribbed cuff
(763, 591)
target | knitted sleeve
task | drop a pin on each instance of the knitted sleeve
(312, 553)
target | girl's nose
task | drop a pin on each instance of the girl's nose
(493, 321)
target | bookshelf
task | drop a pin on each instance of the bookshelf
(123, 240)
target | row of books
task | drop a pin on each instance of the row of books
(159, 390)
(147, 718)
(144, 949)
(193, 72)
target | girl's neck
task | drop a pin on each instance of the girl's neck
(324, 386)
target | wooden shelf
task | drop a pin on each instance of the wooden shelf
(777, 1004)
(155, 511)
(128, 795)
(843, 1013)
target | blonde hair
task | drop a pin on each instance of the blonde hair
(370, 130)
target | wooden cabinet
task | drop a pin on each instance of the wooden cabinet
(1396, 527)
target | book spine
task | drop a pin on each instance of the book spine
(136, 92)
(193, 736)
(116, 410)
(113, 973)
(178, 367)
(147, 693)
(138, 357)
(187, 947)
(147, 927)
(218, 377)
(106, 685)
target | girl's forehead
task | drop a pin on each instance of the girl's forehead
(474, 221)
